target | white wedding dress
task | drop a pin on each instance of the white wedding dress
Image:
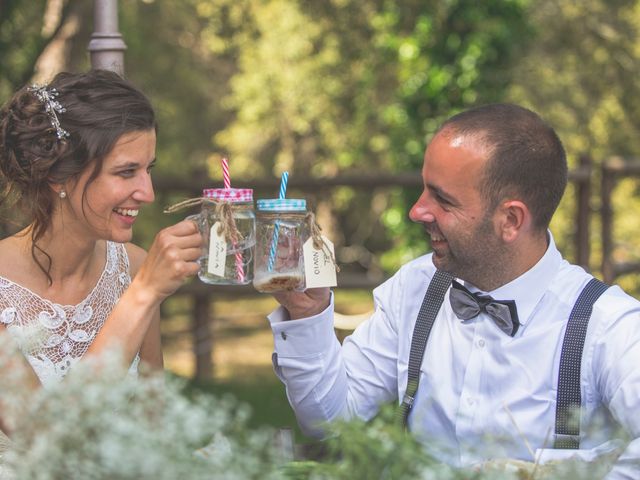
(54, 337)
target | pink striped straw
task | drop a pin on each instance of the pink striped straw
(226, 179)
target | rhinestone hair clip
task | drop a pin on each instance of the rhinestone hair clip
(51, 106)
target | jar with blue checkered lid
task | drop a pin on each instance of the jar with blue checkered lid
(227, 222)
(281, 231)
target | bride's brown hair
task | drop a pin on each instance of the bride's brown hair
(99, 107)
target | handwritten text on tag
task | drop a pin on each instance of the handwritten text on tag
(319, 269)
(217, 251)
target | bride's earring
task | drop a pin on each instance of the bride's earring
(62, 194)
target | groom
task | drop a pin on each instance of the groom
(496, 297)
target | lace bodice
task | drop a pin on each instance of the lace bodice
(53, 337)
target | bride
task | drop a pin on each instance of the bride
(76, 155)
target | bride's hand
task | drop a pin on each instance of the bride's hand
(171, 259)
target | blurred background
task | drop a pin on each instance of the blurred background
(345, 94)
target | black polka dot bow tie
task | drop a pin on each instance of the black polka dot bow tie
(467, 305)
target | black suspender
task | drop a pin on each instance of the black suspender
(569, 398)
(567, 433)
(428, 311)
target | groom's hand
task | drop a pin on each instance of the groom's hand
(304, 304)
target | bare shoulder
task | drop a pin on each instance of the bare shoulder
(136, 256)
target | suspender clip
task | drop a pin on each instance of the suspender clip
(566, 442)
(408, 400)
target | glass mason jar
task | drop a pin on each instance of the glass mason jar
(230, 211)
(281, 231)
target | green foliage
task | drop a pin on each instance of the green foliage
(102, 423)
(580, 74)
(381, 450)
(378, 449)
(185, 81)
(330, 87)
(457, 55)
(21, 23)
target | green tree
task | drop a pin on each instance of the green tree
(580, 74)
(359, 85)
(21, 23)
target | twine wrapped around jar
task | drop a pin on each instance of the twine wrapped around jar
(224, 211)
(227, 227)
(190, 202)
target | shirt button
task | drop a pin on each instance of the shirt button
(283, 335)
(481, 343)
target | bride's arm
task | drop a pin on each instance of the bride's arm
(171, 259)
(151, 348)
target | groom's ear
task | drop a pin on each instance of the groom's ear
(514, 219)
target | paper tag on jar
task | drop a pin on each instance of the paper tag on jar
(319, 269)
(217, 251)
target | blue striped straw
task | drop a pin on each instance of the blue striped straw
(283, 185)
(276, 226)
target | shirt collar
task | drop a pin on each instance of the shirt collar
(527, 290)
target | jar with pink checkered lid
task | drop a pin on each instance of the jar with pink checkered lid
(228, 224)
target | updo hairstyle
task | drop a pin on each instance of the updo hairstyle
(100, 106)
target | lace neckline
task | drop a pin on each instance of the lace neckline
(108, 268)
